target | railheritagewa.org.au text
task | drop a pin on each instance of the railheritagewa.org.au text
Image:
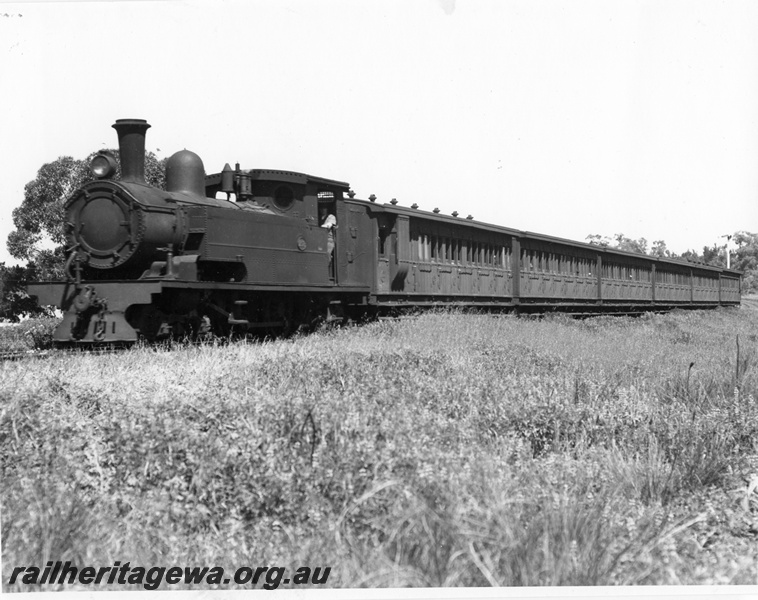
(151, 578)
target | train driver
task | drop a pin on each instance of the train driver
(329, 222)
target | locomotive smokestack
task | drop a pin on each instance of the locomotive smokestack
(131, 147)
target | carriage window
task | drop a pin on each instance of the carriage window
(383, 232)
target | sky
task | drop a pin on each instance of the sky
(567, 118)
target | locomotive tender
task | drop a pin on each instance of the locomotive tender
(245, 250)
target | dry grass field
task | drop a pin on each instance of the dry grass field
(442, 450)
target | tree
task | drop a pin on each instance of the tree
(714, 255)
(14, 301)
(39, 236)
(619, 242)
(746, 260)
(598, 240)
(660, 250)
(691, 256)
(629, 245)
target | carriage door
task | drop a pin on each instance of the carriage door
(399, 258)
(384, 253)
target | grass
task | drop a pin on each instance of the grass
(29, 335)
(445, 450)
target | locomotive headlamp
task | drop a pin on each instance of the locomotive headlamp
(102, 166)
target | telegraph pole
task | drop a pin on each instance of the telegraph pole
(728, 238)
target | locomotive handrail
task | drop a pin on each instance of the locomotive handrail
(67, 267)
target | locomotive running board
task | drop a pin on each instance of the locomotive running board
(263, 287)
(119, 294)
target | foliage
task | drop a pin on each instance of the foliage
(620, 242)
(35, 333)
(744, 258)
(40, 331)
(660, 249)
(714, 255)
(446, 450)
(14, 300)
(39, 236)
(691, 256)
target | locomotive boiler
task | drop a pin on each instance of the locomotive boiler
(246, 250)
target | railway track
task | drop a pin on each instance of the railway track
(85, 350)
(19, 355)
(23, 355)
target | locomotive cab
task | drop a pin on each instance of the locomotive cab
(285, 193)
(289, 195)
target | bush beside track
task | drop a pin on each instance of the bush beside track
(32, 334)
(437, 451)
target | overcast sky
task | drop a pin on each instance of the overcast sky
(565, 118)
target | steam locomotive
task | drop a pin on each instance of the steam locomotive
(247, 250)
